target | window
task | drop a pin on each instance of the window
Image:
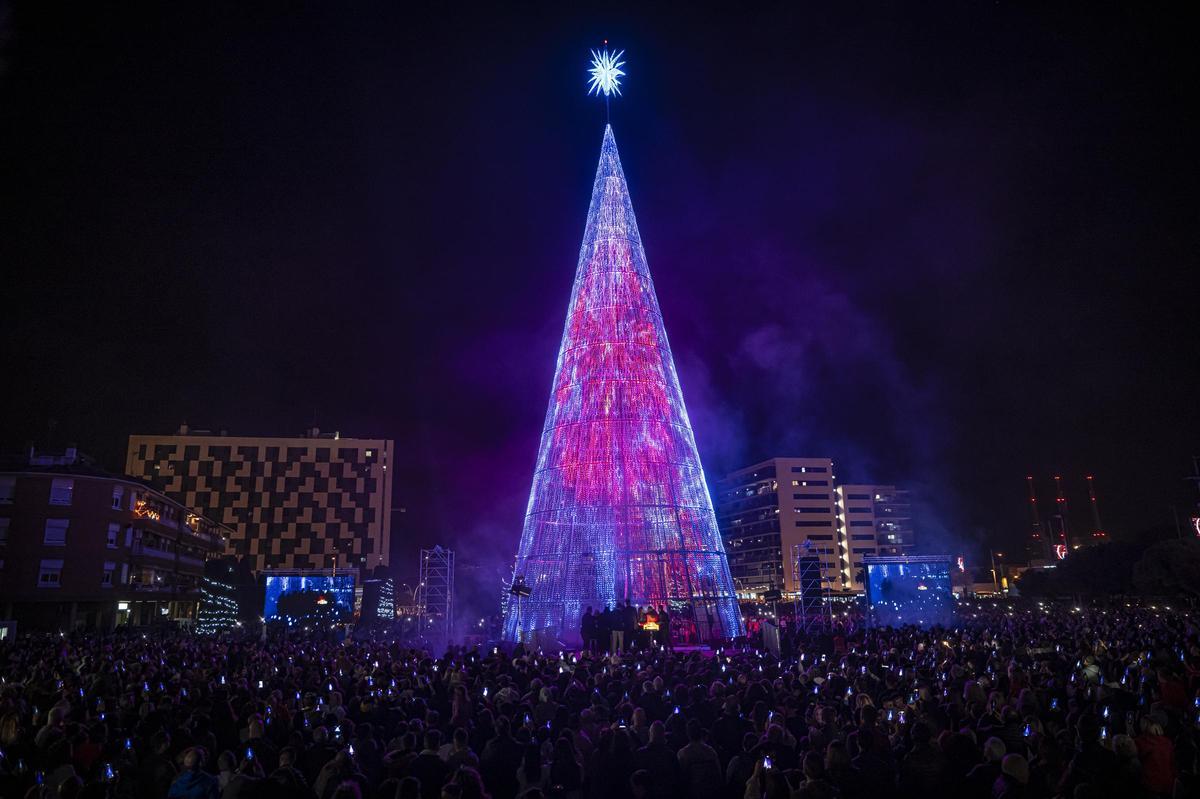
(117, 495)
(56, 532)
(861, 523)
(8, 489)
(858, 496)
(812, 510)
(820, 538)
(811, 482)
(114, 532)
(811, 495)
(814, 524)
(4, 531)
(61, 490)
(867, 509)
(124, 573)
(106, 577)
(867, 537)
(864, 551)
(50, 575)
(818, 469)
(129, 535)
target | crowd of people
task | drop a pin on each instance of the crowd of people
(626, 626)
(1015, 702)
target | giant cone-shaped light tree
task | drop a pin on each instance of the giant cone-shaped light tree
(619, 508)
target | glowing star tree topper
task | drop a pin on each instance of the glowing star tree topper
(606, 73)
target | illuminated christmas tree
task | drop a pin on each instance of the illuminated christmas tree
(619, 509)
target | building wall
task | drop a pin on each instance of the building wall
(872, 520)
(856, 530)
(894, 530)
(766, 510)
(91, 553)
(293, 503)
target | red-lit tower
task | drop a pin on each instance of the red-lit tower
(1098, 534)
(1062, 531)
(1040, 545)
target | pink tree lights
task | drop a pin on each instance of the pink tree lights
(619, 509)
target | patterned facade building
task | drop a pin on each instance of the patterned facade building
(293, 503)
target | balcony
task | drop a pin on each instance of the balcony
(162, 554)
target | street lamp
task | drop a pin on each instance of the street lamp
(995, 575)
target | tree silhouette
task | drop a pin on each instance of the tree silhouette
(1169, 568)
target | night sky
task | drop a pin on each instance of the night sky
(946, 246)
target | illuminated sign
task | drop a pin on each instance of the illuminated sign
(1060, 551)
(1196, 525)
(962, 563)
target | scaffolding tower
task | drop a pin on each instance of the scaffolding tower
(436, 595)
(812, 590)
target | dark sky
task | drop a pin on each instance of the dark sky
(947, 246)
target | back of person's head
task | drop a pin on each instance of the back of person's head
(836, 756)
(410, 788)
(70, 788)
(452, 790)
(658, 733)
(921, 733)
(814, 767)
(433, 739)
(226, 761)
(695, 732)
(1087, 729)
(460, 737)
(1016, 766)
(1125, 747)
(194, 758)
(865, 738)
(639, 782)
(994, 750)
(348, 790)
(255, 728)
(774, 734)
(321, 735)
(470, 782)
(287, 756)
(161, 742)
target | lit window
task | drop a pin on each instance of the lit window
(56, 532)
(106, 578)
(61, 490)
(117, 495)
(4, 531)
(8, 489)
(114, 531)
(50, 574)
